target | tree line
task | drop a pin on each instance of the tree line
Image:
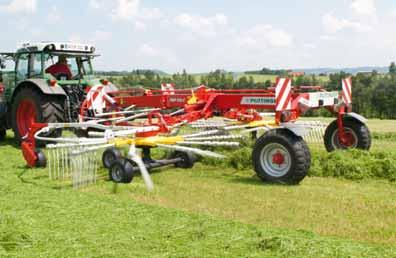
(374, 94)
(218, 79)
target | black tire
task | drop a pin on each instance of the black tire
(296, 157)
(49, 109)
(3, 133)
(187, 159)
(307, 154)
(110, 155)
(41, 159)
(356, 129)
(121, 171)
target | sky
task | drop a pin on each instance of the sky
(204, 35)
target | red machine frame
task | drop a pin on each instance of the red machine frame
(288, 103)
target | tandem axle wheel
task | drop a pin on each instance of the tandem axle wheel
(122, 170)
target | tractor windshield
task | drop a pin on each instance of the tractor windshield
(66, 66)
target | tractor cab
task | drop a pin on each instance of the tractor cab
(45, 82)
(35, 61)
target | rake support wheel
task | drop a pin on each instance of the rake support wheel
(356, 133)
(279, 156)
(121, 171)
(187, 159)
(41, 161)
(110, 155)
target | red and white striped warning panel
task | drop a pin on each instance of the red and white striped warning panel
(95, 99)
(168, 88)
(347, 91)
(283, 94)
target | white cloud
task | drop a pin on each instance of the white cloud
(37, 33)
(131, 10)
(95, 4)
(363, 7)
(327, 38)
(75, 38)
(333, 24)
(265, 35)
(151, 55)
(54, 15)
(140, 26)
(126, 9)
(150, 14)
(147, 50)
(101, 35)
(20, 6)
(310, 46)
(20, 23)
(201, 25)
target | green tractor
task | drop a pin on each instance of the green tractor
(45, 82)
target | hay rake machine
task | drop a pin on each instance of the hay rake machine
(146, 119)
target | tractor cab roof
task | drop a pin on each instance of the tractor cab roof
(58, 47)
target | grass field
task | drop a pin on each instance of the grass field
(203, 212)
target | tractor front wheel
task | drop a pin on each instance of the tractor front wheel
(356, 135)
(279, 156)
(31, 106)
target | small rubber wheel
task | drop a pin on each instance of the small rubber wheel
(279, 156)
(187, 159)
(121, 171)
(41, 161)
(2, 134)
(356, 133)
(110, 155)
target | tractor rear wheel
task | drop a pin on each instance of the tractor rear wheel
(357, 135)
(279, 156)
(30, 106)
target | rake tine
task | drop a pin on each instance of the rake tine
(57, 164)
(49, 163)
(94, 164)
(143, 170)
(205, 133)
(63, 163)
